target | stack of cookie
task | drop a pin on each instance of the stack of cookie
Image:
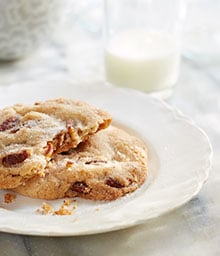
(64, 148)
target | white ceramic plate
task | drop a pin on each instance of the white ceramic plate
(179, 162)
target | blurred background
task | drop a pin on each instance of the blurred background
(75, 48)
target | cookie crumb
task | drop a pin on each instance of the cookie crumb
(63, 211)
(75, 219)
(45, 209)
(65, 208)
(97, 209)
(9, 198)
(75, 207)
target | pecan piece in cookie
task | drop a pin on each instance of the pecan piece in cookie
(63, 140)
(9, 123)
(49, 149)
(15, 158)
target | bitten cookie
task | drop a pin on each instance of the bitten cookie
(108, 165)
(31, 135)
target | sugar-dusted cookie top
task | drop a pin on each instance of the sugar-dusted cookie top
(30, 135)
(110, 164)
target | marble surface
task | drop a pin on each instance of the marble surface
(193, 229)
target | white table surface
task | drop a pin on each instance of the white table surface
(193, 229)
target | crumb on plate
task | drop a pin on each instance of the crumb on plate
(45, 209)
(9, 198)
(65, 209)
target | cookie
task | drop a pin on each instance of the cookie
(110, 164)
(30, 135)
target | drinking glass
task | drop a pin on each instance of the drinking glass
(142, 43)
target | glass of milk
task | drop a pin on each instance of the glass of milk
(142, 43)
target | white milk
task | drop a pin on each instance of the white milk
(145, 60)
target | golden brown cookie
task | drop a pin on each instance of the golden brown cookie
(31, 135)
(110, 164)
